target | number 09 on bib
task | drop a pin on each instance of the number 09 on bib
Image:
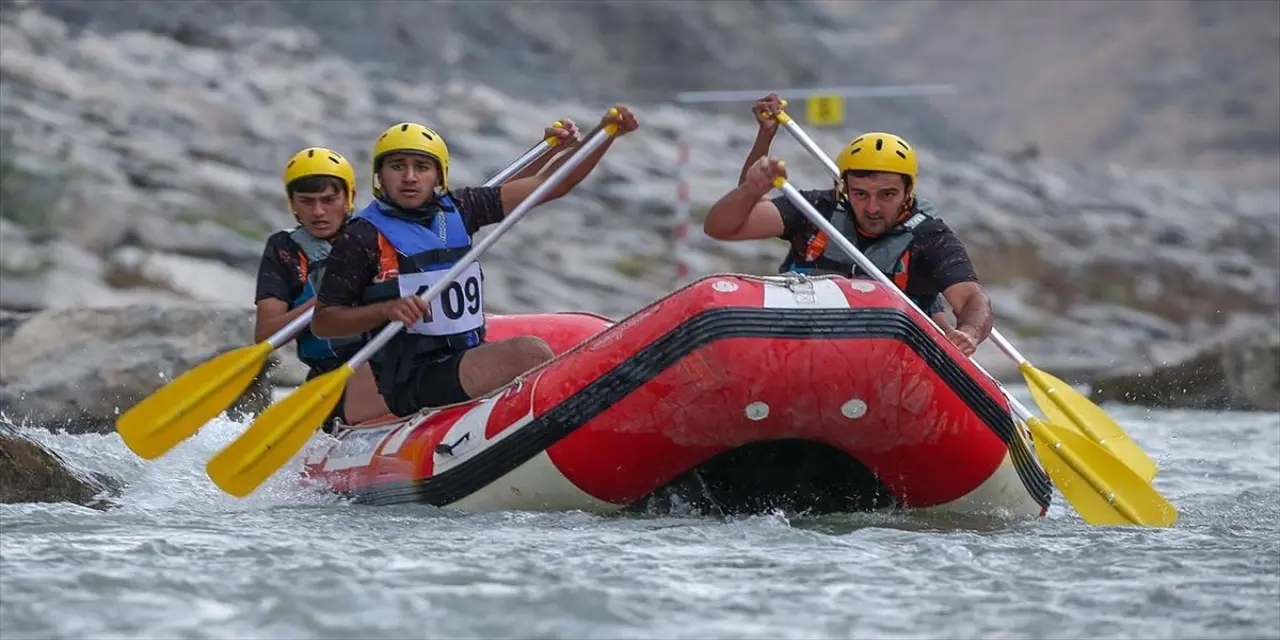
(458, 309)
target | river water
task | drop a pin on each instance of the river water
(178, 559)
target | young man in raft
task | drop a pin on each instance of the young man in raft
(413, 231)
(875, 206)
(320, 187)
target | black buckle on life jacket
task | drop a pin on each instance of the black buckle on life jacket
(424, 260)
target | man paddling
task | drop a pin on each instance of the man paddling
(875, 206)
(320, 185)
(414, 231)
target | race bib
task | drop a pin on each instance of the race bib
(458, 309)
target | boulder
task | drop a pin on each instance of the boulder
(31, 473)
(1240, 371)
(77, 369)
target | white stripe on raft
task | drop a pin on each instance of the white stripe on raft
(536, 485)
(1001, 494)
(805, 294)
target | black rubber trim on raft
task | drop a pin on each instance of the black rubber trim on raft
(696, 332)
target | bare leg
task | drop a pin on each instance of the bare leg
(490, 366)
(362, 401)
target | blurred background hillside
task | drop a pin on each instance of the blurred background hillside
(1114, 166)
(1172, 84)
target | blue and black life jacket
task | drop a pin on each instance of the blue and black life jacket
(414, 251)
(321, 355)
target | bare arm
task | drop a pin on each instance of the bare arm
(972, 308)
(352, 266)
(559, 153)
(743, 214)
(759, 149)
(515, 191)
(273, 315)
(942, 321)
(765, 110)
(344, 322)
(535, 166)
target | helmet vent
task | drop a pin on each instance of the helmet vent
(427, 135)
(879, 144)
(901, 155)
(311, 153)
(334, 160)
(404, 127)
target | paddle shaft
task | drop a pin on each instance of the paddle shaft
(825, 225)
(523, 161)
(812, 147)
(287, 332)
(449, 276)
(996, 337)
(1117, 500)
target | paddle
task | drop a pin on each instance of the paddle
(177, 410)
(1100, 488)
(281, 431)
(1059, 401)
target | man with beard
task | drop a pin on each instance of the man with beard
(875, 206)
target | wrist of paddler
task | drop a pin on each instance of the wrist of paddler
(972, 331)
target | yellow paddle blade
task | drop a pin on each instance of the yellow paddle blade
(1101, 488)
(277, 434)
(1063, 405)
(177, 410)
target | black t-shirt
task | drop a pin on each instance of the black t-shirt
(280, 272)
(353, 262)
(938, 257)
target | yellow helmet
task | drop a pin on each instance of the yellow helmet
(878, 152)
(413, 138)
(319, 161)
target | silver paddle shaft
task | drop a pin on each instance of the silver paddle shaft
(476, 251)
(287, 332)
(835, 236)
(812, 147)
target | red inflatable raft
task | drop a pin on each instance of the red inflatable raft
(734, 394)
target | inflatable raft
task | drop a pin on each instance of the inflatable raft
(734, 394)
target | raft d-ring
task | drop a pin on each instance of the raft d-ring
(724, 286)
(757, 411)
(854, 409)
(516, 385)
(864, 287)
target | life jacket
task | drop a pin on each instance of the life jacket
(890, 253)
(317, 353)
(412, 256)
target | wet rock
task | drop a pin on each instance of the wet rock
(286, 370)
(1240, 371)
(30, 472)
(10, 321)
(77, 369)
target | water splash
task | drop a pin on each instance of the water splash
(177, 481)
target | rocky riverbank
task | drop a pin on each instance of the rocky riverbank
(1238, 371)
(140, 175)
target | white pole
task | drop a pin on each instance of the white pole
(683, 212)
